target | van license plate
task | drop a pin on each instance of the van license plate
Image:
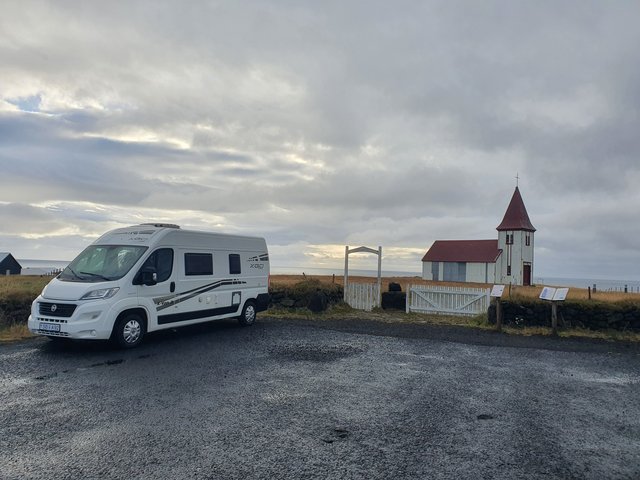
(50, 327)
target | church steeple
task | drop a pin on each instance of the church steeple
(516, 216)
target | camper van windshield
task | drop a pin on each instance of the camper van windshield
(99, 263)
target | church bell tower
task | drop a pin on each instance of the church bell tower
(515, 239)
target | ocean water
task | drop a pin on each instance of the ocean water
(601, 284)
(41, 267)
(44, 267)
(608, 285)
(276, 270)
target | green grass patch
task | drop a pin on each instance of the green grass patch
(343, 311)
(13, 333)
(21, 288)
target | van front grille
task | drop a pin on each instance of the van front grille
(52, 320)
(51, 334)
(56, 309)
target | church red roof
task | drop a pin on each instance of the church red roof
(477, 251)
(516, 216)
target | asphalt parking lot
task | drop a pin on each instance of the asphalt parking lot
(318, 399)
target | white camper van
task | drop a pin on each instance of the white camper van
(150, 277)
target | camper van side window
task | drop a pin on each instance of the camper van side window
(198, 264)
(234, 264)
(162, 261)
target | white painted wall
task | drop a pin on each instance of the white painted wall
(476, 272)
(426, 271)
(481, 272)
(519, 253)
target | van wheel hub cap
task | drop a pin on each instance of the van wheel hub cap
(131, 331)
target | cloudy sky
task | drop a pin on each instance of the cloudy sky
(324, 124)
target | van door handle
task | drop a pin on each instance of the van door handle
(172, 287)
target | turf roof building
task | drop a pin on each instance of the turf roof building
(509, 259)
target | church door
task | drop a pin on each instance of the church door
(526, 274)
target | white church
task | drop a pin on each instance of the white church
(509, 259)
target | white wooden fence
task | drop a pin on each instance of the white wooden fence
(447, 300)
(363, 296)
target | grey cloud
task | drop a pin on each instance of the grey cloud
(19, 219)
(333, 121)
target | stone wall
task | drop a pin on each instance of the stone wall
(311, 294)
(14, 312)
(588, 314)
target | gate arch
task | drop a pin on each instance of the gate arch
(348, 251)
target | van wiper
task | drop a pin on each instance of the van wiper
(74, 273)
(96, 275)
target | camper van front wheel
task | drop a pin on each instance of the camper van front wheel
(248, 314)
(128, 330)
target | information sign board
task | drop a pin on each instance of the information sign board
(560, 295)
(497, 291)
(547, 293)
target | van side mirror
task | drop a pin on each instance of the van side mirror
(149, 276)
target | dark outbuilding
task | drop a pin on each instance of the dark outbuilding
(9, 264)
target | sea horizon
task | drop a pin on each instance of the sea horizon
(43, 267)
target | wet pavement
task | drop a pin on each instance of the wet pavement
(321, 399)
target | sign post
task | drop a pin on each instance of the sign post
(554, 295)
(496, 292)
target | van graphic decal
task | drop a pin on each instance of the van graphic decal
(263, 257)
(167, 301)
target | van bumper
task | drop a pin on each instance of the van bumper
(88, 321)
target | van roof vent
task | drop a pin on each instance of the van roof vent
(162, 225)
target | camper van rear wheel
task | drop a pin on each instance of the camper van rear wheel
(248, 314)
(128, 330)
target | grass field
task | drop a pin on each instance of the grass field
(528, 292)
(27, 288)
(21, 287)
(30, 286)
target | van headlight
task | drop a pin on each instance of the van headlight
(100, 293)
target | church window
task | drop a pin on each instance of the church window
(509, 238)
(527, 239)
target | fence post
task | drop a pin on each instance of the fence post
(498, 315)
(554, 318)
(407, 299)
(379, 299)
(346, 271)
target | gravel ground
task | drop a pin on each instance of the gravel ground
(321, 399)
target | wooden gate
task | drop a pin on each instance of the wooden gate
(447, 300)
(362, 296)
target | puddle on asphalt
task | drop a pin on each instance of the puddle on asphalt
(485, 416)
(336, 434)
(315, 353)
(106, 363)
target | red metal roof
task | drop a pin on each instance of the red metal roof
(516, 216)
(477, 251)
